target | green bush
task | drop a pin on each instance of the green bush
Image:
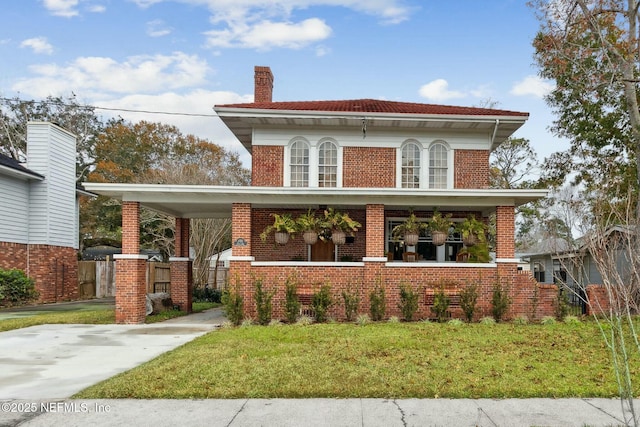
(351, 302)
(468, 301)
(206, 294)
(262, 299)
(377, 303)
(441, 303)
(561, 304)
(292, 305)
(408, 302)
(500, 301)
(16, 287)
(320, 302)
(233, 304)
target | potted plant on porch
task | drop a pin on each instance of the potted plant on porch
(340, 224)
(472, 231)
(439, 226)
(310, 226)
(283, 227)
(409, 230)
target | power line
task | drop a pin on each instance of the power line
(128, 110)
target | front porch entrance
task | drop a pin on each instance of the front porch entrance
(323, 250)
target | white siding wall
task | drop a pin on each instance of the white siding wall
(51, 151)
(14, 219)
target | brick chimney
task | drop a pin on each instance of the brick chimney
(263, 84)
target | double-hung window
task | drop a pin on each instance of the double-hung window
(327, 164)
(411, 154)
(299, 164)
(438, 165)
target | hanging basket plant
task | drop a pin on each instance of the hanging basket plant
(283, 227)
(310, 226)
(340, 224)
(472, 231)
(439, 226)
(409, 231)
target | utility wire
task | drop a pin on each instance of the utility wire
(128, 110)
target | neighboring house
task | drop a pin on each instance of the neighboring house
(375, 160)
(39, 212)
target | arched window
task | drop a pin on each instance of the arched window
(438, 167)
(411, 165)
(299, 164)
(327, 164)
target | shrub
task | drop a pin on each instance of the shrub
(440, 304)
(572, 320)
(377, 303)
(246, 322)
(16, 287)
(275, 322)
(233, 304)
(500, 301)
(320, 302)
(394, 319)
(468, 301)
(363, 319)
(487, 321)
(292, 305)
(206, 294)
(455, 322)
(408, 302)
(521, 320)
(548, 320)
(304, 321)
(262, 299)
(351, 302)
(561, 304)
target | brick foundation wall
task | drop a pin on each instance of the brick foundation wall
(379, 173)
(471, 169)
(53, 268)
(363, 279)
(267, 166)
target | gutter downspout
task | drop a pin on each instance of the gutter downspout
(495, 131)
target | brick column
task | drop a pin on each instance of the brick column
(375, 231)
(131, 269)
(505, 232)
(182, 268)
(240, 261)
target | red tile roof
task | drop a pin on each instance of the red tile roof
(375, 106)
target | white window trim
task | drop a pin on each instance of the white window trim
(313, 161)
(450, 165)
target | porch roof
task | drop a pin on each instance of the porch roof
(206, 201)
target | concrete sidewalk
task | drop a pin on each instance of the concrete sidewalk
(316, 412)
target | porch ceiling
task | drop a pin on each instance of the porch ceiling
(203, 201)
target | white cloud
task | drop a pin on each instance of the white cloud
(266, 34)
(137, 74)
(65, 8)
(157, 28)
(38, 45)
(438, 90)
(263, 24)
(322, 50)
(532, 85)
(97, 8)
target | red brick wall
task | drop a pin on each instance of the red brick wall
(375, 220)
(53, 268)
(426, 281)
(267, 166)
(598, 300)
(241, 218)
(263, 88)
(181, 284)
(505, 231)
(471, 168)
(369, 167)
(131, 290)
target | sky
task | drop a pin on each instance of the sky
(185, 56)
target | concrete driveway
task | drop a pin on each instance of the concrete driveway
(57, 361)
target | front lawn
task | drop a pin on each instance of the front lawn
(389, 360)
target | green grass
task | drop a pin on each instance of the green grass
(387, 360)
(94, 316)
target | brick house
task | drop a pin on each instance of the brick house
(375, 160)
(39, 212)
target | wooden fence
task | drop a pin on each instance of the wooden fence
(97, 279)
